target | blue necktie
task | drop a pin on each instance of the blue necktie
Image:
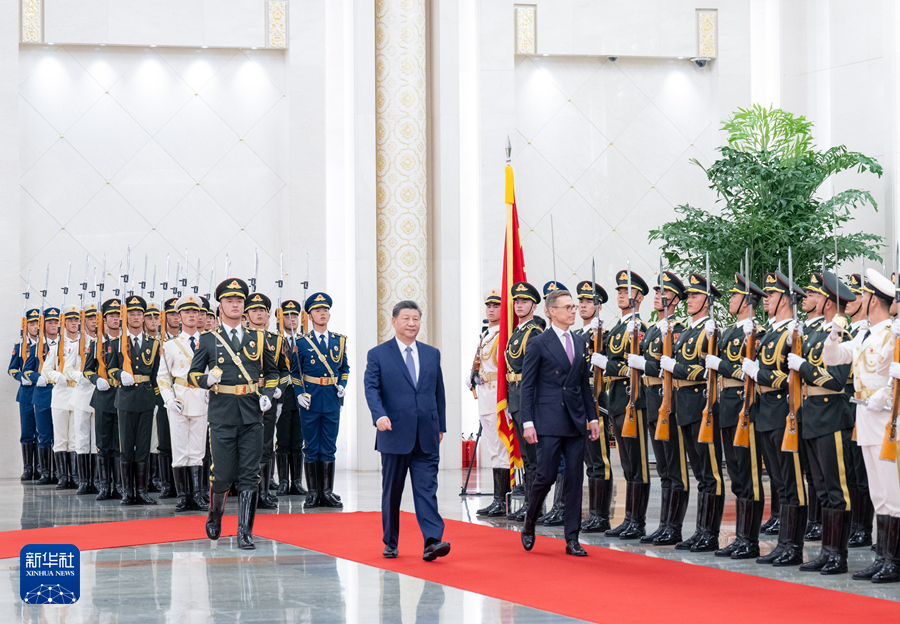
(411, 365)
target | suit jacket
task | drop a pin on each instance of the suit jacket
(556, 395)
(418, 410)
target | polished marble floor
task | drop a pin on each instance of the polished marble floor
(201, 581)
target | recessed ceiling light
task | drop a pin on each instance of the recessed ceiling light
(103, 44)
(253, 48)
(152, 45)
(204, 46)
(545, 54)
(50, 43)
(680, 57)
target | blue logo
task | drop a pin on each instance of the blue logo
(50, 574)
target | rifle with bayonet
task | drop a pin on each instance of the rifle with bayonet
(790, 443)
(279, 315)
(124, 342)
(304, 317)
(98, 350)
(475, 373)
(82, 338)
(23, 351)
(665, 409)
(742, 433)
(629, 426)
(39, 347)
(706, 434)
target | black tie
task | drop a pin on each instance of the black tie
(193, 346)
(322, 343)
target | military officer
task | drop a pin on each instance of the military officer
(827, 423)
(21, 368)
(743, 462)
(486, 393)
(43, 396)
(671, 462)
(596, 456)
(770, 371)
(186, 406)
(688, 368)
(103, 400)
(133, 361)
(229, 362)
(173, 318)
(614, 362)
(288, 431)
(160, 439)
(870, 355)
(322, 367)
(525, 298)
(812, 306)
(85, 440)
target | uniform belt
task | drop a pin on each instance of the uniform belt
(768, 389)
(613, 378)
(513, 377)
(141, 378)
(320, 381)
(684, 383)
(285, 380)
(181, 381)
(731, 383)
(819, 391)
(863, 395)
(238, 390)
(113, 383)
(652, 381)
(70, 383)
(488, 377)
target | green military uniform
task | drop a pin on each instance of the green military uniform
(135, 402)
(240, 359)
(744, 463)
(161, 458)
(288, 430)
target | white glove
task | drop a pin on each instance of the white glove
(303, 401)
(595, 324)
(629, 327)
(83, 381)
(127, 379)
(102, 384)
(341, 391)
(877, 401)
(895, 370)
(794, 361)
(663, 326)
(637, 361)
(895, 328)
(277, 394)
(26, 381)
(712, 362)
(709, 327)
(837, 330)
(54, 376)
(265, 404)
(175, 406)
(41, 382)
(599, 360)
(748, 329)
(212, 378)
(798, 325)
(469, 382)
(666, 363)
(750, 368)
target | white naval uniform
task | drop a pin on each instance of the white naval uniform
(63, 389)
(487, 398)
(189, 429)
(866, 353)
(85, 435)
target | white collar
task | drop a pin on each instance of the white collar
(812, 320)
(414, 346)
(698, 321)
(559, 332)
(744, 322)
(187, 336)
(626, 318)
(781, 324)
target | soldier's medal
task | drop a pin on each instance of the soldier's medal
(737, 341)
(252, 343)
(216, 371)
(221, 360)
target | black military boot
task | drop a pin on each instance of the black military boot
(45, 456)
(71, 470)
(182, 488)
(199, 488)
(629, 506)
(770, 527)
(95, 470)
(83, 466)
(247, 501)
(638, 526)
(557, 496)
(664, 499)
(166, 476)
(103, 468)
(27, 462)
(500, 494)
(865, 511)
(828, 544)
(297, 469)
(557, 513)
(793, 526)
(709, 541)
(153, 485)
(272, 484)
(216, 511)
(128, 483)
(519, 516)
(283, 464)
(749, 547)
(890, 571)
(312, 482)
(741, 510)
(698, 531)
(595, 497)
(496, 503)
(117, 485)
(840, 526)
(62, 470)
(814, 529)
(678, 503)
(327, 497)
(881, 524)
(141, 484)
(263, 500)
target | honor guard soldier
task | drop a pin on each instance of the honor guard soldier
(614, 362)
(483, 381)
(160, 440)
(257, 311)
(172, 327)
(85, 425)
(43, 396)
(22, 367)
(862, 511)
(688, 368)
(744, 463)
(103, 400)
(770, 372)
(525, 298)
(288, 432)
(135, 399)
(186, 405)
(870, 355)
(322, 367)
(671, 462)
(55, 364)
(596, 452)
(827, 423)
(229, 362)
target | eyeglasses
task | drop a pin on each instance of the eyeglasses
(568, 308)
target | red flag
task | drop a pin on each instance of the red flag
(513, 271)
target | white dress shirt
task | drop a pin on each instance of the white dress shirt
(318, 337)
(239, 328)
(415, 355)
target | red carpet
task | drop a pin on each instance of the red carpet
(606, 586)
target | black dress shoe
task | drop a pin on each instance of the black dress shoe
(389, 553)
(575, 549)
(528, 535)
(435, 550)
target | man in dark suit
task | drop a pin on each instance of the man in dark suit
(557, 404)
(405, 393)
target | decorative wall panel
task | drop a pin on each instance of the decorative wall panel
(277, 22)
(32, 21)
(525, 29)
(707, 33)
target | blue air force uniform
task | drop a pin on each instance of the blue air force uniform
(22, 367)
